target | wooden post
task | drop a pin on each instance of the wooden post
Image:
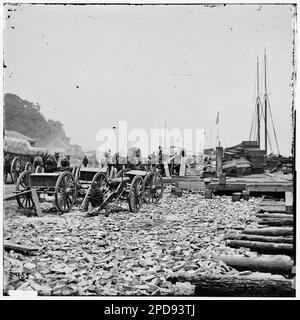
(208, 194)
(245, 195)
(289, 202)
(36, 202)
(182, 167)
(222, 178)
(166, 167)
(219, 154)
(236, 196)
(85, 202)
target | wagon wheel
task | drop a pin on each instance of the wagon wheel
(135, 197)
(74, 170)
(15, 169)
(65, 192)
(38, 169)
(153, 187)
(24, 201)
(28, 166)
(77, 174)
(120, 172)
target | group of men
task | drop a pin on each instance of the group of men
(50, 162)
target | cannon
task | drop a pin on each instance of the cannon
(134, 186)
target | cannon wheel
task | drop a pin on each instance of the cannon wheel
(28, 166)
(153, 186)
(38, 169)
(5, 176)
(100, 178)
(15, 169)
(120, 173)
(24, 201)
(65, 192)
(135, 197)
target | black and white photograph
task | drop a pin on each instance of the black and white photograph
(149, 151)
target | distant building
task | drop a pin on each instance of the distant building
(18, 135)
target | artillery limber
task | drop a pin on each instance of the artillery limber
(60, 185)
(135, 186)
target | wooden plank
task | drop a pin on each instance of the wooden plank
(274, 215)
(18, 247)
(14, 196)
(167, 171)
(136, 172)
(191, 185)
(277, 209)
(271, 203)
(182, 166)
(85, 202)
(168, 180)
(36, 202)
(95, 170)
(227, 187)
(289, 201)
(269, 187)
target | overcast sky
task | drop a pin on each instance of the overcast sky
(90, 66)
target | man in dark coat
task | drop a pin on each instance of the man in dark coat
(85, 161)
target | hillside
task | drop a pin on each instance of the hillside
(26, 117)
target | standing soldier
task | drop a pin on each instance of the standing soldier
(85, 161)
(109, 162)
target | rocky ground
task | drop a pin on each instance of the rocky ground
(125, 253)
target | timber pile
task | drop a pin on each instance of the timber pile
(250, 151)
(237, 167)
(274, 238)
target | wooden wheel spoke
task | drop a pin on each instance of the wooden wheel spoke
(22, 200)
(69, 201)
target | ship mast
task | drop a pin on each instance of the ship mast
(258, 103)
(266, 106)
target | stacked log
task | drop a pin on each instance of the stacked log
(276, 238)
(250, 237)
(268, 263)
(232, 286)
(263, 247)
(271, 231)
